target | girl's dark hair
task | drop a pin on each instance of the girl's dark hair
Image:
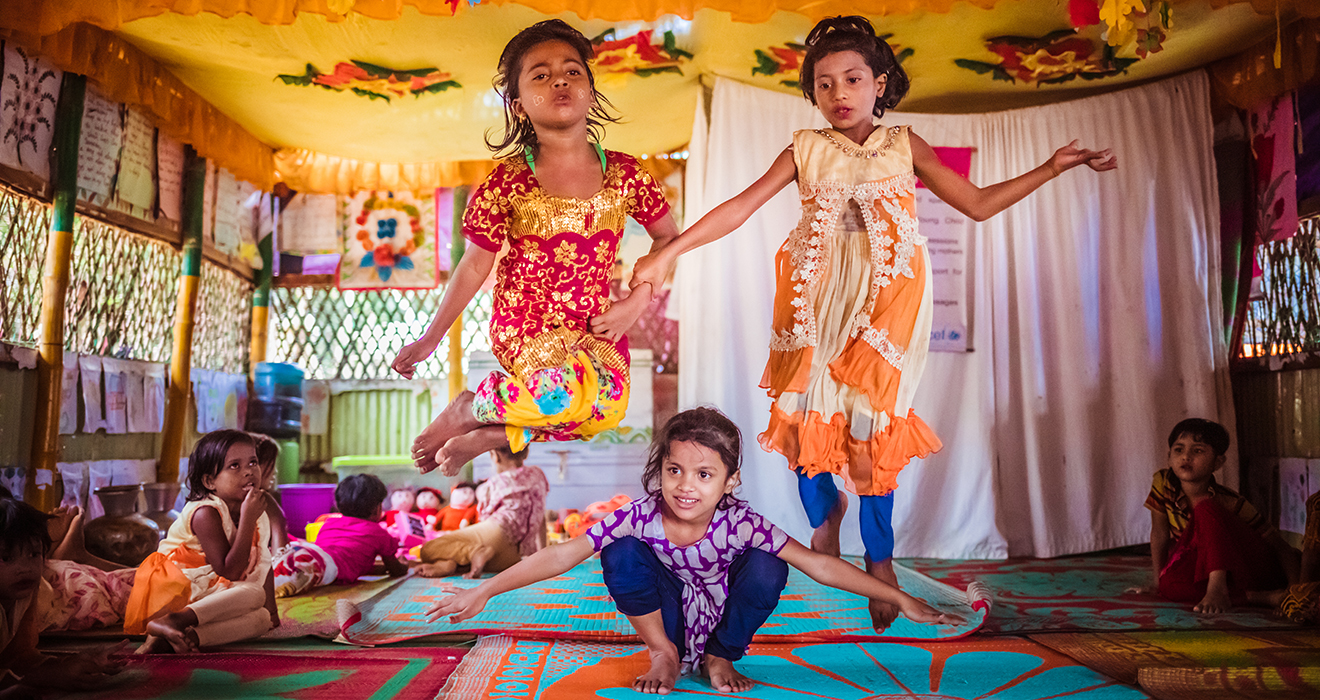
(518, 133)
(22, 528)
(208, 458)
(358, 496)
(1202, 430)
(268, 450)
(706, 427)
(854, 33)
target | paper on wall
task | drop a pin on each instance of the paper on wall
(99, 473)
(100, 141)
(316, 407)
(69, 394)
(29, 92)
(93, 416)
(227, 207)
(116, 398)
(136, 184)
(74, 476)
(135, 394)
(153, 397)
(169, 174)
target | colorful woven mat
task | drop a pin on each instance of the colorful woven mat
(1123, 655)
(577, 606)
(1253, 683)
(999, 668)
(1081, 593)
(402, 674)
(313, 614)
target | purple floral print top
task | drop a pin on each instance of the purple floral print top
(703, 566)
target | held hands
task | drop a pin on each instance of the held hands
(405, 363)
(651, 269)
(1073, 155)
(460, 606)
(622, 314)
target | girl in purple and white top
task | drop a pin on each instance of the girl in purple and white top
(695, 570)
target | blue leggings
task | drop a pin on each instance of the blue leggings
(819, 496)
(640, 585)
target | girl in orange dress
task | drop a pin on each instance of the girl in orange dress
(852, 309)
(559, 202)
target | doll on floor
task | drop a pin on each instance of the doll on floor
(462, 508)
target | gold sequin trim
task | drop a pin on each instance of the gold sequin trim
(555, 347)
(857, 151)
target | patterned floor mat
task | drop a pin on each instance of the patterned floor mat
(999, 668)
(577, 606)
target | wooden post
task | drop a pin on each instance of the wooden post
(457, 245)
(40, 490)
(261, 301)
(176, 406)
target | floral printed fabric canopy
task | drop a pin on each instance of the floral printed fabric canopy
(351, 85)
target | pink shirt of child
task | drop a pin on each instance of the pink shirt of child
(354, 544)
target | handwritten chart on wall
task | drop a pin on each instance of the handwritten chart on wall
(226, 212)
(98, 148)
(136, 184)
(169, 170)
(947, 233)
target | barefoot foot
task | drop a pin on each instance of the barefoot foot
(153, 645)
(825, 539)
(468, 446)
(70, 545)
(882, 614)
(455, 420)
(662, 675)
(439, 569)
(724, 677)
(176, 629)
(480, 558)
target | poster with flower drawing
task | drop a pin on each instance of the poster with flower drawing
(388, 241)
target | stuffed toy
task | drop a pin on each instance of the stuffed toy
(429, 503)
(462, 508)
(401, 501)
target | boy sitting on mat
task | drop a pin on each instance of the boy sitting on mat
(510, 522)
(1208, 545)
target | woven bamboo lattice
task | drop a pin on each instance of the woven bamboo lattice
(355, 335)
(24, 228)
(1286, 321)
(223, 331)
(120, 301)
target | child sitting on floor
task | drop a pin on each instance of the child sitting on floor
(209, 581)
(346, 547)
(695, 570)
(1209, 545)
(268, 452)
(510, 522)
(28, 606)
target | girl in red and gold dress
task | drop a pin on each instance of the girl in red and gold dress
(559, 201)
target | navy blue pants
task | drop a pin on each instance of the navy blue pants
(640, 585)
(819, 496)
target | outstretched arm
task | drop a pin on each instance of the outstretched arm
(551, 561)
(718, 222)
(472, 272)
(624, 313)
(981, 203)
(837, 573)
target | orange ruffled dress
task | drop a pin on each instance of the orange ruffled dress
(852, 314)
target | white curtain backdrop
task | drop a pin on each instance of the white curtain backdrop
(1095, 314)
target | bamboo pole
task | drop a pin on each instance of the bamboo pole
(40, 490)
(457, 382)
(261, 300)
(176, 407)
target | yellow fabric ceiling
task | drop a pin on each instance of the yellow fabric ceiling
(231, 52)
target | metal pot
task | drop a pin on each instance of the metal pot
(122, 535)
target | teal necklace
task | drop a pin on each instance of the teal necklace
(531, 161)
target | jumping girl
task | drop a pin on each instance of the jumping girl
(695, 570)
(852, 308)
(559, 201)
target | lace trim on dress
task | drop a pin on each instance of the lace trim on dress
(879, 340)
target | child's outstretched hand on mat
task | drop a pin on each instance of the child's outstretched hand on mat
(460, 606)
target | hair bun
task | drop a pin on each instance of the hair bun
(854, 24)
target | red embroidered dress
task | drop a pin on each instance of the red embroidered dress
(563, 383)
(852, 314)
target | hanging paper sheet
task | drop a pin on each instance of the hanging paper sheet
(227, 207)
(99, 473)
(14, 479)
(136, 184)
(947, 232)
(1273, 137)
(116, 396)
(135, 375)
(316, 407)
(389, 242)
(169, 171)
(69, 395)
(310, 224)
(249, 203)
(153, 397)
(221, 400)
(74, 476)
(93, 417)
(99, 144)
(29, 91)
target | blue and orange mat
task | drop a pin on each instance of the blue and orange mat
(999, 668)
(577, 606)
